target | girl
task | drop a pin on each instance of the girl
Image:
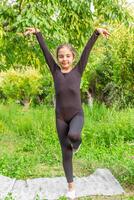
(68, 112)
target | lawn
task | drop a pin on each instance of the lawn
(29, 145)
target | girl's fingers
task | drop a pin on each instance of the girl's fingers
(31, 30)
(27, 32)
(103, 32)
(107, 33)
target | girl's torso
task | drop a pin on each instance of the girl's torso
(67, 91)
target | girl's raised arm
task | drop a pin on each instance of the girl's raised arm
(48, 57)
(85, 54)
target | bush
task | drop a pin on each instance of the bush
(22, 85)
(111, 76)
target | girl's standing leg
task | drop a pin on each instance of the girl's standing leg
(67, 154)
(69, 135)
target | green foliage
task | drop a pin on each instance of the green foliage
(108, 128)
(23, 85)
(48, 92)
(3, 128)
(66, 21)
(9, 197)
(112, 75)
(72, 21)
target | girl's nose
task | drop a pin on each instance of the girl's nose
(64, 58)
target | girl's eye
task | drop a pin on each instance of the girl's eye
(60, 56)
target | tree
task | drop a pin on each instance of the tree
(60, 21)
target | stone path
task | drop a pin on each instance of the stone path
(101, 182)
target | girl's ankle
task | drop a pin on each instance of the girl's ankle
(71, 187)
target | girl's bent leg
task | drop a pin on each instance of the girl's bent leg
(75, 128)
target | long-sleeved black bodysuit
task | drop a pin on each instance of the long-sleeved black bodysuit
(69, 113)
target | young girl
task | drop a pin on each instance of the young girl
(69, 112)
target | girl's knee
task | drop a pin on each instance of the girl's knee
(74, 136)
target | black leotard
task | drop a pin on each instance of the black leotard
(69, 113)
(67, 85)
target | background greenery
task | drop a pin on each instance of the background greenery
(110, 71)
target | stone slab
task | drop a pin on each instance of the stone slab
(6, 185)
(101, 182)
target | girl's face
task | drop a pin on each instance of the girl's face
(65, 58)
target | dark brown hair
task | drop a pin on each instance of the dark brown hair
(69, 46)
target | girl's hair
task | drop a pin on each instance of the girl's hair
(69, 46)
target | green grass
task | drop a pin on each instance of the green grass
(29, 145)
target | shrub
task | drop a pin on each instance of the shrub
(22, 85)
(111, 74)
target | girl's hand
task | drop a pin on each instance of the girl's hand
(31, 31)
(103, 32)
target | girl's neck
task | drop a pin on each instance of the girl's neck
(66, 70)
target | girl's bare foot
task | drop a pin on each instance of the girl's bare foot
(71, 194)
(71, 191)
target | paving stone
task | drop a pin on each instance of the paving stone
(20, 190)
(101, 182)
(6, 185)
